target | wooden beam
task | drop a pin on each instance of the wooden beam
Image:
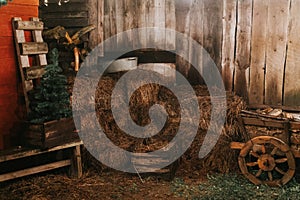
(29, 25)
(32, 48)
(34, 170)
(34, 72)
(22, 153)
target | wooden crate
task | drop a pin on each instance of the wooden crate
(50, 134)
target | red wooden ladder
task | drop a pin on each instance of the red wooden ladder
(29, 53)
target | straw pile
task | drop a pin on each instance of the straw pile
(221, 159)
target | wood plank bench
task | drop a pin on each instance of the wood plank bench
(12, 156)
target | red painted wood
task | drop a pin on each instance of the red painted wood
(10, 109)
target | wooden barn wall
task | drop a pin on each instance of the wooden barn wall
(254, 43)
(71, 15)
(10, 106)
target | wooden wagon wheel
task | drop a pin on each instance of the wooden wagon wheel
(267, 160)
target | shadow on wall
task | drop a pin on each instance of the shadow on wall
(292, 98)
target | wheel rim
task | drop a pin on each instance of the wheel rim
(267, 160)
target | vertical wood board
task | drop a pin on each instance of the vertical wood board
(228, 42)
(243, 42)
(276, 50)
(292, 70)
(258, 52)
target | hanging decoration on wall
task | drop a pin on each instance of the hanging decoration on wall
(59, 2)
(3, 2)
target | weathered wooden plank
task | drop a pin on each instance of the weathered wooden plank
(31, 48)
(182, 10)
(228, 43)
(110, 25)
(34, 170)
(263, 122)
(69, 7)
(170, 24)
(276, 50)
(212, 29)
(29, 25)
(67, 22)
(196, 33)
(76, 163)
(68, 14)
(129, 21)
(258, 52)
(292, 72)
(243, 44)
(142, 22)
(160, 23)
(120, 11)
(150, 18)
(34, 72)
(22, 153)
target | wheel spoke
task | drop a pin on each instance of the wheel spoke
(281, 160)
(279, 170)
(270, 176)
(274, 151)
(263, 148)
(251, 164)
(258, 173)
(252, 153)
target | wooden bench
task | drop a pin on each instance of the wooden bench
(12, 156)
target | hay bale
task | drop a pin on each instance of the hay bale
(220, 159)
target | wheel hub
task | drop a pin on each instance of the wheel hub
(266, 162)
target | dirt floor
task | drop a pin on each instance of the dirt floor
(107, 184)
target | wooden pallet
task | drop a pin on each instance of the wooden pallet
(73, 161)
(31, 55)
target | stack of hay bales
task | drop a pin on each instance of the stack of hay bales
(221, 159)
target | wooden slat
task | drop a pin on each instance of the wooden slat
(76, 165)
(292, 72)
(33, 48)
(295, 125)
(150, 16)
(129, 21)
(170, 24)
(22, 153)
(182, 26)
(142, 22)
(29, 25)
(160, 22)
(196, 33)
(68, 14)
(258, 52)
(67, 22)
(242, 59)
(34, 72)
(34, 170)
(120, 22)
(276, 50)
(110, 25)
(212, 30)
(263, 122)
(228, 45)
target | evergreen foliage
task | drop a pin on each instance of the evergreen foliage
(51, 100)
